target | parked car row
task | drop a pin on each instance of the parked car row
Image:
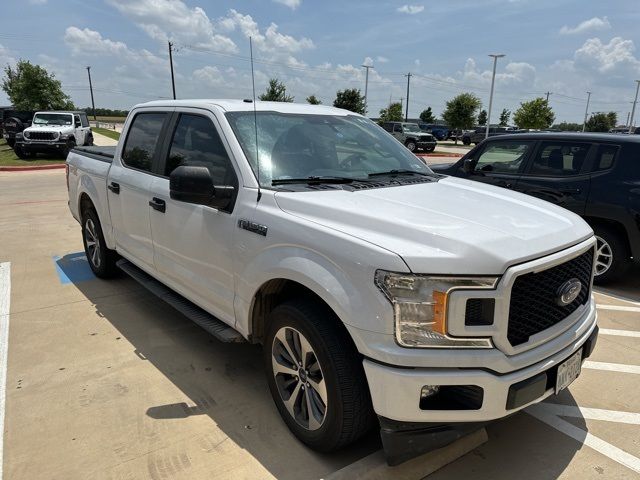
(594, 175)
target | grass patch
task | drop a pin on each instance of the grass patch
(9, 159)
(108, 119)
(107, 133)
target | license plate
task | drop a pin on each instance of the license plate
(568, 371)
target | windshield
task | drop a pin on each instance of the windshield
(52, 119)
(411, 127)
(303, 145)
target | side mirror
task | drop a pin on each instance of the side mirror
(468, 166)
(193, 184)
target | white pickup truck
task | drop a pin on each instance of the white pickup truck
(376, 287)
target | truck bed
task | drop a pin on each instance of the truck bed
(104, 154)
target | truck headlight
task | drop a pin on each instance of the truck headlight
(420, 307)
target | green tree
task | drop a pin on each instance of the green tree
(393, 113)
(535, 114)
(482, 118)
(350, 99)
(601, 122)
(567, 127)
(427, 116)
(505, 116)
(460, 112)
(276, 92)
(313, 100)
(31, 87)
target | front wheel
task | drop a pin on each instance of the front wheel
(101, 259)
(71, 144)
(411, 145)
(612, 255)
(315, 376)
(22, 154)
(429, 149)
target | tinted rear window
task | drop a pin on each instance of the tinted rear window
(605, 157)
(142, 140)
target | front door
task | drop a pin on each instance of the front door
(500, 162)
(193, 243)
(129, 185)
(556, 173)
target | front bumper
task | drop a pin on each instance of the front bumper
(405, 439)
(426, 145)
(40, 147)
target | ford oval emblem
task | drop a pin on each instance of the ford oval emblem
(568, 292)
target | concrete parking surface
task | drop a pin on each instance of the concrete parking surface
(104, 381)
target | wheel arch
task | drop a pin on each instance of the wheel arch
(614, 225)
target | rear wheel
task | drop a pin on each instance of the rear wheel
(315, 376)
(466, 141)
(101, 259)
(612, 255)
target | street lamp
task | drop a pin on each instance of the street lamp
(366, 85)
(633, 109)
(495, 56)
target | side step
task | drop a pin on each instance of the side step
(208, 322)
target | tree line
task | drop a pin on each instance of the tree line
(31, 87)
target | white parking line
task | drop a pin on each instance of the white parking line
(612, 367)
(619, 333)
(5, 298)
(591, 413)
(617, 297)
(585, 438)
(619, 308)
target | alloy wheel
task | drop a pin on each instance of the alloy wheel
(604, 256)
(91, 240)
(299, 378)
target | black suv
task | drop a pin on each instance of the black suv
(478, 135)
(594, 175)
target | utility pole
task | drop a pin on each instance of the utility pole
(173, 82)
(548, 93)
(93, 105)
(633, 109)
(495, 56)
(366, 86)
(586, 112)
(628, 117)
(406, 110)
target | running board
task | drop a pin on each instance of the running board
(208, 322)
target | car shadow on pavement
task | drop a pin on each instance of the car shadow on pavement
(627, 288)
(223, 381)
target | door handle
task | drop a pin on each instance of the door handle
(114, 187)
(158, 204)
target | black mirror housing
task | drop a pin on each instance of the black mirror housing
(193, 184)
(468, 166)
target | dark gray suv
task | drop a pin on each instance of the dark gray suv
(410, 135)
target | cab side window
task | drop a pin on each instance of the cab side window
(605, 157)
(142, 140)
(559, 159)
(76, 120)
(196, 143)
(84, 120)
(503, 157)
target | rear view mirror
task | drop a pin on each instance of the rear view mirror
(193, 184)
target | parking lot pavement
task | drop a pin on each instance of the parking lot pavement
(103, 141)
(105, 381)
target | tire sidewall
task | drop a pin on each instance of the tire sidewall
(100, 271)
(287, 315)
(619, 253)
(409, 143)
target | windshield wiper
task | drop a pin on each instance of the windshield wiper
(314, 180)
(400, 172)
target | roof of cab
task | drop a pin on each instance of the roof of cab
(574, 136)
(245, 106)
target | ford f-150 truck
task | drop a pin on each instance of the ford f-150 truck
(382, 293)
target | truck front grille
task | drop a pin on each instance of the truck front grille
(534, 307)
(42, 136)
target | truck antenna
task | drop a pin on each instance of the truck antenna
(255, 119)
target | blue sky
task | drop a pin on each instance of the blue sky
(316, 47)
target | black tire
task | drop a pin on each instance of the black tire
(102, 263)
(22, 154)
(466, 141)
(411, 145)
(613, 243)
(348, 413)
(89, 141)
(429, 149)
(71, 144)
(11, 142)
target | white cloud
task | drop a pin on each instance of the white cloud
(617, 55)
(410, 9)
(5, 56)
(591, 25)
(37, 2)
(368, 61)
(209, 76)
(292, 4)
(514, 74)
(173, 19)
(382, 59)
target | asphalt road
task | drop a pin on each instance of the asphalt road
(106, 382)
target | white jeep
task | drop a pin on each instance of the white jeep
(54, 133)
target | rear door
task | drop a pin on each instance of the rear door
(129, 185)
(500, 163)
(557, 173)
(193, 244)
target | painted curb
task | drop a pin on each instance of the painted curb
(32, 168)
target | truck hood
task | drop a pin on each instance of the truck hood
(50, 128)
(453, 226)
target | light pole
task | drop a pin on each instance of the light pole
(495, 56)
(366, 86)
(93, 105)
(586, 111)
(633, 109)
